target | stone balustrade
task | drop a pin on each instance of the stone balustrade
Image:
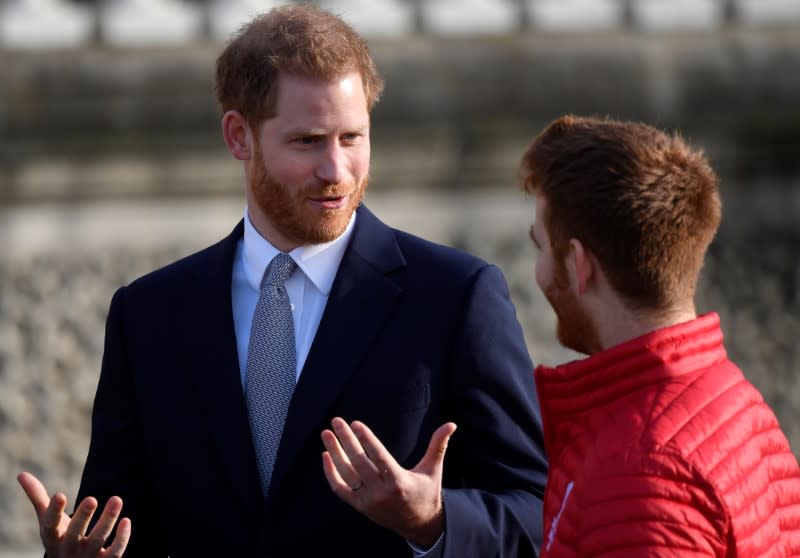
(65, 24)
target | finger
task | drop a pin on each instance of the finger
(385, 465)
(120, 543)
(341, 461)
(35, 491)
(335, 480)
(51, 518)
(80, 519)
(433, 459)
(364, 467)
(51, 526)
(105, 525)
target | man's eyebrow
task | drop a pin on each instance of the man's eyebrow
(304, 132)
(299, 131)
(533, 237)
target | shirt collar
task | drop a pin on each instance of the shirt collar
(319, 262)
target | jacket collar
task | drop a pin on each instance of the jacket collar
(584, 384)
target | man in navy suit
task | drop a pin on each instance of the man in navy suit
(397, 341)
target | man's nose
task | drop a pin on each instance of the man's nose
(332, 166)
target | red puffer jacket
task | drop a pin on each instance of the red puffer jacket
(660, 447)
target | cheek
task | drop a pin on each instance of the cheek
(542, 273)
(359, 162)
(292, 172)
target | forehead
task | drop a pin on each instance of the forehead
(541, 207)
(303, 98)
(539, 224)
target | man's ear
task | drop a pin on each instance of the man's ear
(581, 266)
(237, 134)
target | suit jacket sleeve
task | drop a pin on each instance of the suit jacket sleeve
(117, 463)
(493, 492)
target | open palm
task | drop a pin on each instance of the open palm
(66, 537)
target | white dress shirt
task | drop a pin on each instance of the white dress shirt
(308, 288)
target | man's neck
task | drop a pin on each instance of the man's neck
(269, 233)
(621, 324)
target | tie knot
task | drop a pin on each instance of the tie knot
(278, 270)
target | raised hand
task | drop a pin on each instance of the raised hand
(362, 472)
(65, 537)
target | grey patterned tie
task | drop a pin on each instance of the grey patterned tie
(271, 365)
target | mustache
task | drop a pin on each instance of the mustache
(264, 180)
(333, 190)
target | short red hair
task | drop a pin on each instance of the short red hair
(644, 202)
(301, 40)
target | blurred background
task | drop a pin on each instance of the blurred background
(112, 163)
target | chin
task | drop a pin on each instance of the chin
(322, 228)
(575, 329)
(577, 343)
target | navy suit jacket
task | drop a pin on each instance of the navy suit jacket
(413, 335)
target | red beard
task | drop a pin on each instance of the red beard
(289, 211)
(575, 329)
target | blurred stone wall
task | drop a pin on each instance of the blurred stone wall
(111, 164)
(456, 113)
(57, 283)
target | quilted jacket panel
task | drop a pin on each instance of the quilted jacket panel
(661, 447)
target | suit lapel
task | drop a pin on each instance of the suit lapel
(360, 301)
(213, 365)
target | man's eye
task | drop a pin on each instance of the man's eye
(307, 140)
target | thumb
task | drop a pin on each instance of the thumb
(432, 461)
(35, 491)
